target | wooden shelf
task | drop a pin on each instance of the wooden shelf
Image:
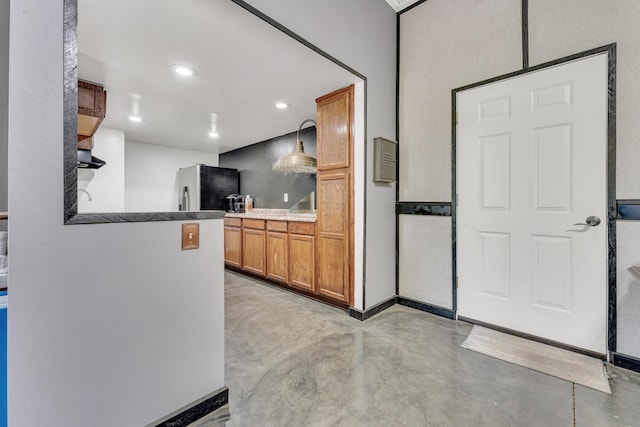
(4, 215)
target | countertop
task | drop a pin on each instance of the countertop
(274, 215)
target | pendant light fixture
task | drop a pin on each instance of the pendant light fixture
(298, 161)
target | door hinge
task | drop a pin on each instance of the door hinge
(456, 120)
(456, 282)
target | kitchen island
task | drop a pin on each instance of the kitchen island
(275, 245)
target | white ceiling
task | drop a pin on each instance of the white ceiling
(244, 66)
(399, 5)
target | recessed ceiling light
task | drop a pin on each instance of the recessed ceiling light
(136, 119)
(214, 134)
(282, 105)
(184, 70)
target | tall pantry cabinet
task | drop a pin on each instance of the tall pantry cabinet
(334, 254)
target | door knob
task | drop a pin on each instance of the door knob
(591, 221)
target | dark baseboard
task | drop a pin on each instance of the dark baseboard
(627, 362)
(428, 308)
(364, 315)
(194, 411)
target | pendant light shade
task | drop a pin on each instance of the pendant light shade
(298, 161)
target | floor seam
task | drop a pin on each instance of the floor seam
(574, 403)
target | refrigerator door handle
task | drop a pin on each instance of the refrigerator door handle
(185, 199)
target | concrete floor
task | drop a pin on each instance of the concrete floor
(291, 361)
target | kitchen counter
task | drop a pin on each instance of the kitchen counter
(274, 215)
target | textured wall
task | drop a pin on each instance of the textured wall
(446, 44)
(257, 179)
(561, 28)
(362, 34)
(628, 288)
(112, 324)
(425, 259)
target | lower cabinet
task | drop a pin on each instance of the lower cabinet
(277, 254)
(302, 257)
(254, 247)
(281, 251)
(277, 251)
(233, 242)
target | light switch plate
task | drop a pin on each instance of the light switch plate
(190, 236)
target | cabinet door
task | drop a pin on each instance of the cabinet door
(302, 258)
(233, 246)
(277, 256)
(335, 118)
(334, 257)
(253, 243)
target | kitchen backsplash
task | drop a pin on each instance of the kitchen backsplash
(265, 186)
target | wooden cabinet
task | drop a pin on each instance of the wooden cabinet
(277, 251)
(233, 242)
(333, 236)
(254, 246)
(335, 200)
(302, 254)
(92, 109)
(334, 131)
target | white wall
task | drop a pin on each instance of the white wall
(444, 44)
(362, 34)
(104, 187)
(109, 325)
(4, 83)
(151, 181)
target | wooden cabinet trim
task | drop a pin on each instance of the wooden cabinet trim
(257, 224)
(306, 228)
(233, 222)
(335, 93)
(280, 226)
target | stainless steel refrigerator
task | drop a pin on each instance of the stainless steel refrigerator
(202, 187)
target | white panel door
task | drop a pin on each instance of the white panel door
(531, 162)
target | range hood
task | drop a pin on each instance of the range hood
(87, 161)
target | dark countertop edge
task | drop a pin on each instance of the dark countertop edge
(104, 218)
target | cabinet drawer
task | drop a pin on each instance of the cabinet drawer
(277, 226)
(257, 224)
(233, 222)
(307, 228)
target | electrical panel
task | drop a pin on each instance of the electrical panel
(384, 160)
